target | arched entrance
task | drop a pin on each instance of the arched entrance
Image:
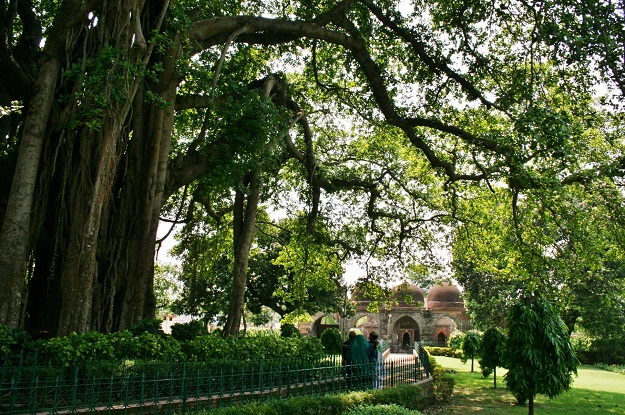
(444, 327)
(323, 323)
(405, 334)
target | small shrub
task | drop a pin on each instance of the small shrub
(188, 331)
(16, 345)
(147, 325)
(289, 330)
(611, 368)
(486, 371)
(444, 351)
(209, 347)
(408, 396)
(331, 339)
(336, 404)
(442, 382)
(391, 409)
(456, 339)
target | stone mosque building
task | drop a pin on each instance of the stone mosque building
(409, 318)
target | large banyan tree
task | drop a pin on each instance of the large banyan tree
(125, 103)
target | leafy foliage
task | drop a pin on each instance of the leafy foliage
(492, 353)
(539, 354)
(87, 348)
(444, 351)
(442, 383)
(258, 345)
(456, 338)
(408, 397)
(15, 344)
(188, 331)
(391, 409)
(471, 346)
(331, 339)
(289, 330)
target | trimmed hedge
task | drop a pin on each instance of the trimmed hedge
(17, 347)
(408, 397)
(444, 351)
(383, 410)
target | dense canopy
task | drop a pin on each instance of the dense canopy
(373, 127)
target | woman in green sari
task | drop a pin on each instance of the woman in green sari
(359, 369)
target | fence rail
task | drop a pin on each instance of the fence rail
(159, 388)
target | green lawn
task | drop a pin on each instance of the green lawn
(594, 392)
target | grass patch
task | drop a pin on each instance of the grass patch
(594, 391)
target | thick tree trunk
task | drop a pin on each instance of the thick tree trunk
(244, 223)
(17, 235)
(79, 266)
(138, 296)
(93, 179)
(530, 405)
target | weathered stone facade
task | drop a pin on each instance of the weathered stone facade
(410, 318)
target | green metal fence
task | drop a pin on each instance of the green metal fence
(159, 388)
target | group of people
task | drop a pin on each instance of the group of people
(363, 361)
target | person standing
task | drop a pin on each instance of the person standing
(358, 360)
(376, 359)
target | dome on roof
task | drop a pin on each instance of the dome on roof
(408, 294)
(444, 295)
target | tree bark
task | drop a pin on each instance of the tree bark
(244, 223)
(16, 236)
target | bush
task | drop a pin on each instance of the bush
(289, 330)
(383, 410)
(444, 351)
(407, 397)
(332, 340)
(612, 368)
(147, 325)
(456, 339)
(16, 345)
(442, 382)
(259, 345)
(82, 349)
(188, 331)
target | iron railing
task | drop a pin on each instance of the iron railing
(158, 388)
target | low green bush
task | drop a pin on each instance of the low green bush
(16, 345)
(612, 368)
(383, 410)
(444, 351)
(456, 339)
(289, 330)
(332, 340)
(442, 382)
(188, 331)
(146, 344)
(81, 349)
(408, 397)
(147, 325)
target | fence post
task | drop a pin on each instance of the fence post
(392, 374)
(183, 387)
(288, 380)
(260, 376)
